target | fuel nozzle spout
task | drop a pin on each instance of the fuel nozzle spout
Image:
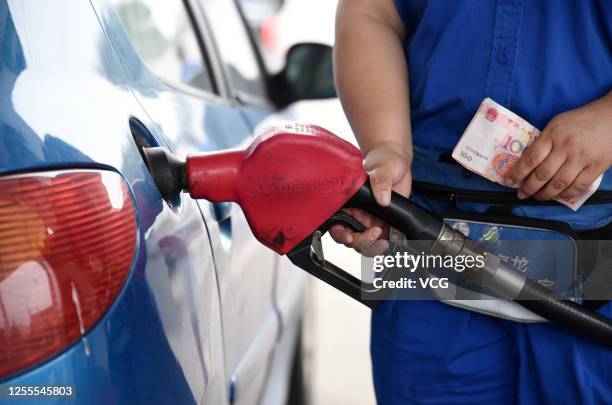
(168, 172)
(213, 177)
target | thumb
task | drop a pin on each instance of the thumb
(381, 181)
(386, 168)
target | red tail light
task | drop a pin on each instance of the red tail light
(67, 240)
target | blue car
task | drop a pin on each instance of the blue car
(110, 294)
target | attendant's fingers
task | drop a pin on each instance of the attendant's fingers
(560, 181)
(341, 234)
(370, 244)
(365, 240)
(583, 181)
(368, 220)
(379, 247)
(533, 156)
(541, 174)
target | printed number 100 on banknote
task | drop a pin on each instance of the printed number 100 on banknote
(495, 140)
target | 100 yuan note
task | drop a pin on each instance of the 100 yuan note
(495, 140)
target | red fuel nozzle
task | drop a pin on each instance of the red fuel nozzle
(289, 181)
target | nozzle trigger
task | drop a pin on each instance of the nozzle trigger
(309, 256)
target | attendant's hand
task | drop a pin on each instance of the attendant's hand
(388, 167)
(572, 151)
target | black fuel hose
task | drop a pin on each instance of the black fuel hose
(428, 231)
(544, 302)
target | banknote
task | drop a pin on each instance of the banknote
(495, 140)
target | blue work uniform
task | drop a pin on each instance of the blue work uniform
(538, 58)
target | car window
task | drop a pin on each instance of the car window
(235, 48)
(257, 11)
(163, 35)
